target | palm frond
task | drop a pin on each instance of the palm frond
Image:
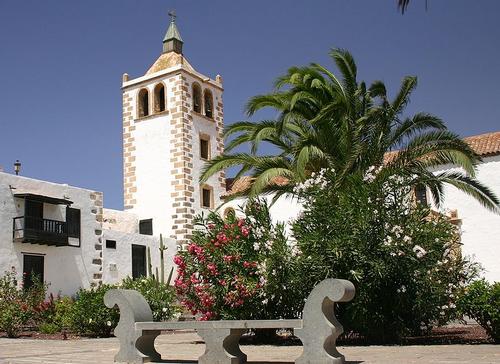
(472, 187)
(403, 97)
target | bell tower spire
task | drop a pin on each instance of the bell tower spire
(172, 42)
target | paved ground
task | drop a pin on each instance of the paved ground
(187, 347)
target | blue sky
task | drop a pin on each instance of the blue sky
(61, 64)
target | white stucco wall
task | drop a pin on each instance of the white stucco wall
(480, 227)
(65, 268)
(122, 227)
(117, 263)
(284, 210)
(120, 221)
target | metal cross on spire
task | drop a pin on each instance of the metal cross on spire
(172, 15)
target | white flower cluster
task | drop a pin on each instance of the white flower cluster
(259, 231)
(371, 173)
(397, 231)
(292, 244)
(419, 251)
(317, 180)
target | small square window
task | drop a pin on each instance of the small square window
(146, 227)
(204, 148)
(110, 244)
(206, 197)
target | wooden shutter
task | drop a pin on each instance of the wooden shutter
(73, 218)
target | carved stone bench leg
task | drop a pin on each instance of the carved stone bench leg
(136, 347)
(320, 327)
(222, 346)
(146, 345)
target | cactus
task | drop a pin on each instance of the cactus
(150, 266)
(162, 263)
(160, 275)
(170, 276)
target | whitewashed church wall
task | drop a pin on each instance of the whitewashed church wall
(153, 178)
(285, 210)
(480, 227)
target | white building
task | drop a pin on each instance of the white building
(63, 234)
(480, 228)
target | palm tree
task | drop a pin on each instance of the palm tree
(327, 122)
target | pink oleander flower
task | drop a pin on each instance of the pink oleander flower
(245, 231)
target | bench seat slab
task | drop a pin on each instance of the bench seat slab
(221, 324)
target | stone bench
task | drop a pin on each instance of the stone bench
(318, 329)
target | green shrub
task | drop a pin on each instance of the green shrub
(12, 318)
(62, 316)
(88, 314)
(237, 268)
(161, 297)
(403, 260)
(48, 328)
(481, 301)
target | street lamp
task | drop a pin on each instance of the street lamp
(17, 167)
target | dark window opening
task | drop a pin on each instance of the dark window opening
(159, 98)
(143, 103)
(138, 261)
(421, 194)
(208, 104)
(206, 197)
(204, 148)
(196, 98)
(146, 227)
(110, 244)
(73, 218)
(32, 267)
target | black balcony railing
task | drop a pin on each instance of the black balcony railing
(35, 230)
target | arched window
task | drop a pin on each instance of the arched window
(209, 103)
(143, 103)
(159, 98)
(196, 98)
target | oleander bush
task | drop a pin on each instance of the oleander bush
(238, 268)
(20, 306)
(161, 297)
(481, 301)
(404, 260)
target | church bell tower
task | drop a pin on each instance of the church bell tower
(172, 124)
